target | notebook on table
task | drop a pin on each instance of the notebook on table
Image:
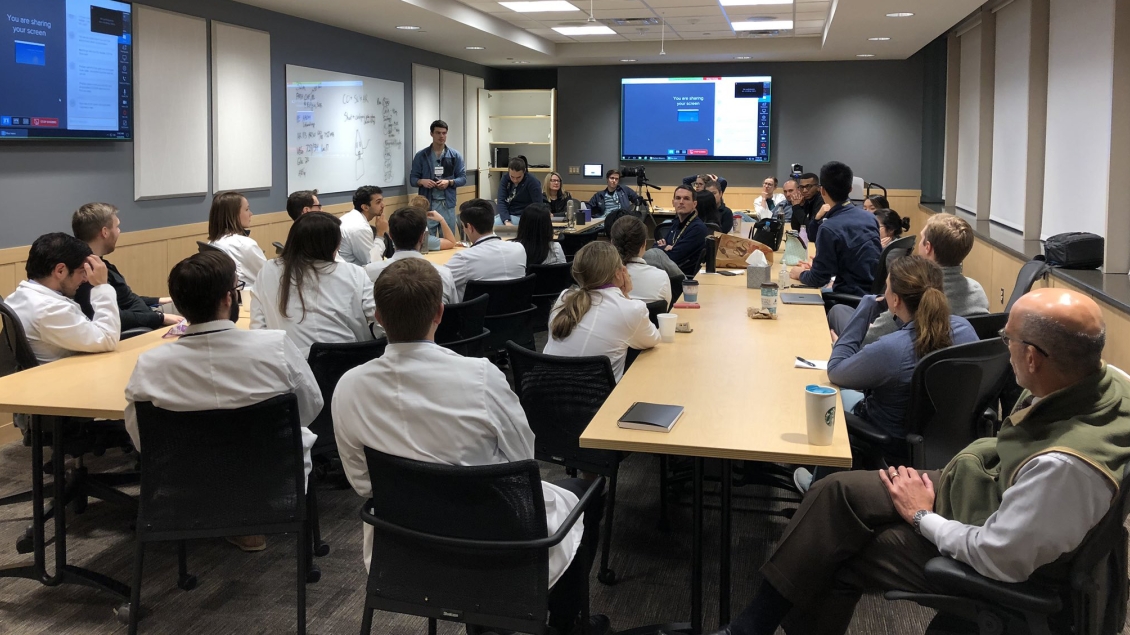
(651, 416)
(802, 297)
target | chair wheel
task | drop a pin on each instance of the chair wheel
(187, 583)
(313, 575)
(78, 505)
(122, 613)
(25, 544)
(607, 576)
(322, 549)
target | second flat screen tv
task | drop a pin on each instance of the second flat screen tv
(695, 119)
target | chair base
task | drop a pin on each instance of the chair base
(674, 627)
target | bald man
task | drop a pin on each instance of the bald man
(1055, 467)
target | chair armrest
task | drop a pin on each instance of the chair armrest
(502, 545)
(832, 298)
(134, 332)
(951, 576)
(867, 431)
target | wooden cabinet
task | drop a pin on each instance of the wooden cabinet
(522, 122)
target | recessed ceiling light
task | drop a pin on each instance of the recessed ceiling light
(476, 48)
(742, 57)
(405, 27)
(901, 14)
(584, 30)
(878, 39)
(865, 55)
(750, 3)
(519, 62)
(540, 6)
(627, 60)
(763, 25)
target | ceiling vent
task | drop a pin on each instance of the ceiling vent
(631, 21)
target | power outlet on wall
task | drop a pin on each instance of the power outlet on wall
(574, 169)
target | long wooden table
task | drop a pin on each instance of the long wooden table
(743, 400)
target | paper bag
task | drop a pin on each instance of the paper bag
(733, 251)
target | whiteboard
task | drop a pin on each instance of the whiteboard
(170, 154)
(342, 131)
(241, 108)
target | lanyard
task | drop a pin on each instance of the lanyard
(487, 239)
(688, 224)
(204, 333)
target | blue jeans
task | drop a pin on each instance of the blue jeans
(448, 214)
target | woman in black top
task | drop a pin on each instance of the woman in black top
(535, 233)
(554, 195)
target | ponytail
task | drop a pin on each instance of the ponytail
(575, 303)
(918, 282)
(594, 266)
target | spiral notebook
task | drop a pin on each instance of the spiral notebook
(651, 416)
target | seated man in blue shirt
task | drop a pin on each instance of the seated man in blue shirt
(515, 192)
(613, 198)
(847, 245)
(684, 242)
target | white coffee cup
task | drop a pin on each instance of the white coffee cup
(820, 410)
(667, 326)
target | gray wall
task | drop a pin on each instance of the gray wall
(866, 114)
(42, 183)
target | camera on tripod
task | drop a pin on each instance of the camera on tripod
(638, 172)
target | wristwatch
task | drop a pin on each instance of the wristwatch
(917, 521)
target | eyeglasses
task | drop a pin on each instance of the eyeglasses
(237, 288)
(317, 207)
(1007, 340)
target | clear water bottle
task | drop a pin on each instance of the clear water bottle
(783, 280)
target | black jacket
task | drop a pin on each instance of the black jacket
(805, 213)
(134, 309)
(557, 206)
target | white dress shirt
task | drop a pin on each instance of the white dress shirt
(248, 257)
(648, 283)
(762, 210)
(490, 258)
(612, 325)
(397, 404)
(374, 270)
(339, 305)
(556, 254)
(217, 366)
(1056, 499)
(55, 325)
(356, 238)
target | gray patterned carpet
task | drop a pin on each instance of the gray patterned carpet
(255, 593)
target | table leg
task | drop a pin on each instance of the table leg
(724, 562)
(38, 569)
(696, 540)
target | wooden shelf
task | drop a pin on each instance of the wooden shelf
(520, 116)
(520, 143)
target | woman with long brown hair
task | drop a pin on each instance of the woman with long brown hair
(229, 223)
(596, 316)
(306, 293)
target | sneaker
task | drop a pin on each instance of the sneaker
(802, 479)
(249, 544)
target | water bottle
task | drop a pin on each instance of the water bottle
(783, 280)
(571, 213)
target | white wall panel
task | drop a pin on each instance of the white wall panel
(451, 107)
(1010, 119)
(471, 86)
(241, 108)
(425, 105)
(969, 120)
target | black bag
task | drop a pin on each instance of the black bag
(768, 232)
(1074, 250)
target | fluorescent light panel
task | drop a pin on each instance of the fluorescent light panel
(751, 3)
(541, 6)
(763, 25)
(584, 30)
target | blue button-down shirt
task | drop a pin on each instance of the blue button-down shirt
(423, 167)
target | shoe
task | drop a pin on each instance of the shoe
(249, 544)
(802, 479)
(597, 625)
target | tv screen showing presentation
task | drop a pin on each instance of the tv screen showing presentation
(695, 119)
(67, 69)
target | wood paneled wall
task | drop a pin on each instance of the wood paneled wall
(741, 198)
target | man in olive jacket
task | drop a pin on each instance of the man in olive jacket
(1011, 507)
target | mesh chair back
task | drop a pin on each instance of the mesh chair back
(654, 309)
(462, 320)
(202, 247)
(571, 243)
(988, 326)
(662, 228)
(1032, 271)
(490, 502)
(560, 396)
(550, 282)
(893, 251)
(1098, 570)
(221, 472)
(329, 362)
(510, 309)
(15, 351)
(950, 390)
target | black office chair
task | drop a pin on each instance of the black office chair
(550, 282)
(490, 568)
(653, 311)
(218, 473)
(1090, 599)
(510, 310)
(893, 251)
(278, 248)
(202, 247)
(662, 229)
(461, 329)
(134, 332)
(560, 396)
(571, 243)
(988, 325)
(1032, 271)
(676, 289)
(951, 390)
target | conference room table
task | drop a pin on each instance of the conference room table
(744, 399)
(90, 386)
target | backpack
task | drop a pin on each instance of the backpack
(768, 231)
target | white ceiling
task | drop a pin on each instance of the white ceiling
(695, 31)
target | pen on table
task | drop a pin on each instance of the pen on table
(805, 361)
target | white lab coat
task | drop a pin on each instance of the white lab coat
(356, 238)
(762, 210)
(423, 402)
(248, 257)
(612, 325)
(374, 269)
(220, 367)
(55, 324)
(556, 254)
(490, 258)
(339, 305)
(648, 283)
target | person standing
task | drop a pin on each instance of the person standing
(437, 171)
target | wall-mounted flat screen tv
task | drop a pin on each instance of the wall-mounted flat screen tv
(695, 119)
(67, 69)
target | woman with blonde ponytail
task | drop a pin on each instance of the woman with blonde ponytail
(874, 380)
(596, 316)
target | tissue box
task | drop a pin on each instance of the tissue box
(757, 275)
